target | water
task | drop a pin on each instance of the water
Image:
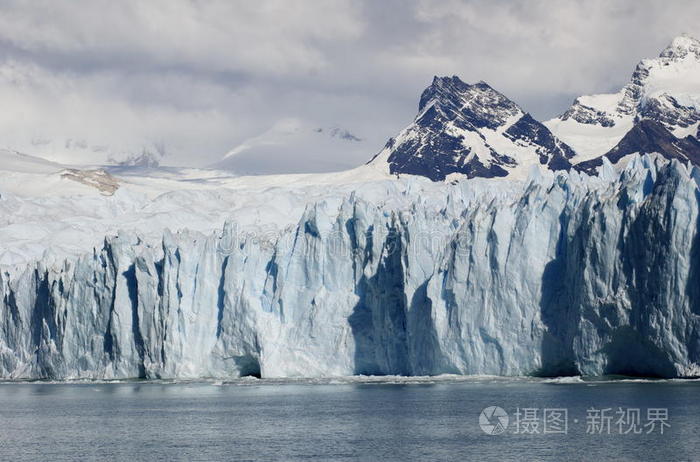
(395, 419)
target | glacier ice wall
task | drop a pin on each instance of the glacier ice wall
(566, 274)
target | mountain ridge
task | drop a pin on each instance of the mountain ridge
(665, 89)
(473, 130)
(476, 131)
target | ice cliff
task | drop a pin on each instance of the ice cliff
(561, 274)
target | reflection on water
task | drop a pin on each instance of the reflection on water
(370, 419)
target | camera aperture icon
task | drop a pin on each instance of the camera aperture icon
(493, 420)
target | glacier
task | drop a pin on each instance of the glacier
(562, 274)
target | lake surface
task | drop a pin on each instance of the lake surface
(348, 420)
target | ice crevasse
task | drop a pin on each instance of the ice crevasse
(559, 275)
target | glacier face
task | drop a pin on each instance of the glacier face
(562, 274)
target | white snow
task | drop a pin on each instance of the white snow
(602, 102)
(682, 132)
(589, 141)
(43, 211)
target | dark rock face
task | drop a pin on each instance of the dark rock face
(452, 130)
(444, 155)
(666, 110)
(587, 115)
(646, 137)
(478, 105)
(634, 90)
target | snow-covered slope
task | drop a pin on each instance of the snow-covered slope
(472, 130)
(13, 161)
(32, 177)
(561, 274)
(49, 210)
(296, 146)
(665, 90)
(71, 151)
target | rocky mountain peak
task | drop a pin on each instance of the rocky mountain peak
(637, 94)
(661, 82)
(665, 90)
(474, 130)
(657, 112)
(682, 46)
(477, 104)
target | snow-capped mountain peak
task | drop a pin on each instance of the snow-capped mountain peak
(681, 47)
(665, 89)
(473, 130)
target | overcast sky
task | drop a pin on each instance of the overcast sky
(202, 77)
